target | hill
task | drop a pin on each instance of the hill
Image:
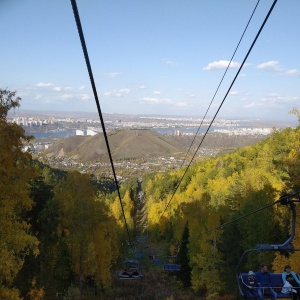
(125, 144)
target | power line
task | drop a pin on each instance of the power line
(229, 222)
(220, 83)
(283, 200)
(87, 60)
(234, 79)
(242, 217)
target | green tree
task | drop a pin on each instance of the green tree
(184, 275)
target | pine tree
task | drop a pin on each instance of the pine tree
(184, 275)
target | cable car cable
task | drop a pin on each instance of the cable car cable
(89, 68)
(286, 246)
(213, 98)
(242, 217)
(284, 200)
(234, 79)
(233, 221)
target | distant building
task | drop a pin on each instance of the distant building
(79, 132)
(91, 132)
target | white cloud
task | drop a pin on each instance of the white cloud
(152, 100)
(47, 101)
(85, 97)
(112, 74)
(142, 87)
(271, 66)
(221, 64)
(125, 91)
(82, 87)
(118, 93)
(250, 105)
(293, 72)
(169, 62)
(233, 93)
(44, 84)
(68, 88)
(192, 95)
(66, 96)
(242, 75)
(274, 100)
(168, 101)
(57, 89)
(181, 104)
(156, 92)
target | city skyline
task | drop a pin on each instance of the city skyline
(152, 57)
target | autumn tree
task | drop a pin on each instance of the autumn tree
(86, 229)
(15, 173)
(217, 191)
(296, 112)
(128, 207)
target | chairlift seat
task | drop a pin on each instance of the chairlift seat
(157, 261)
(276, 284)
(172, 267)
(131, 262)
(141, 239)
(130, 276)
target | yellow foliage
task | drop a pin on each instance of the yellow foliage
(9, 294)
(16, 171)
(35, 293)
(86, 228)
(223, 189)
(279, 262)
(172, 250)
(206, 264)
(294, 258)
(128, 206)
(154, 212)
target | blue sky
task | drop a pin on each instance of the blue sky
(152, 57)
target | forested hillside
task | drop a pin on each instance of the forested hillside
(63, 235)
(218, 191)
(56, 237)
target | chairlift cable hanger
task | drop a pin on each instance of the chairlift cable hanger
(221, 104)
(89, 68)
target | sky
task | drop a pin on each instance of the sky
(162, 57)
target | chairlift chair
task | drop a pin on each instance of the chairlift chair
(286, 246)
(172, 267)
(131, 270)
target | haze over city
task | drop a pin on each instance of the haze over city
(156, 57)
